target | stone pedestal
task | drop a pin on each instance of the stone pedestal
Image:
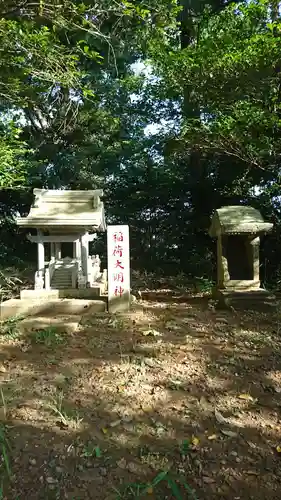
(41, 253)
(257, 299)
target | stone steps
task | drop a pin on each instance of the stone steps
(60, 282)
(61, 279)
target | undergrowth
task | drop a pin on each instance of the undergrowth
(50, 337)
(10, 327)
(5, 449)
(164, 479)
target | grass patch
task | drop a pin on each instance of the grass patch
(68, 417)
(91, 450)
(49, 337)
(9, 329)
(176, 486)
(5, 449)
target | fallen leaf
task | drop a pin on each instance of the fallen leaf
(51, 480)
(246, 397)
(149, 362)
(212, 437)
(208, 480)
(115, 423)
(146, 409)
(139, 469)
(252, 445)
(149, 490)
(195, 441)
(122, 463)
(220, 418)
(278, 449)
(154, 333)
(222, 320)
(127, 418)
(176, 382)
(172, 326)
(104, 430)
(204, 403)
(229, 433)
(25, 348)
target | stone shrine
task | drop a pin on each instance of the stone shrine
(238, 230)
(65, 223)
(69, 284)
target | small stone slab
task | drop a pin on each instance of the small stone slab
(71, 293)
(63, 324)
(44, 308)
(70, 307)
(16, 307)
(259, 299)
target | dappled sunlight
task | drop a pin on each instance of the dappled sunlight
(274, 376)
(139, 385)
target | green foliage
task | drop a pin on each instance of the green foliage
(233, 67)
(14, 157)
(10, 328)
(177, 486)
(67, 415)
(91, 451)
(78, 116)
(9, 283)
(5, 449)
(50, 337)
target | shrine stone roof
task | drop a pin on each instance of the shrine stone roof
(238, 219)
(65, 209)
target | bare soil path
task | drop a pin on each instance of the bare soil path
(168, 387)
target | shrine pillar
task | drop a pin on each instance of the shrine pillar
(85, 254)
(58, 250)
(53, 254)
(41, 252)
(77, 249)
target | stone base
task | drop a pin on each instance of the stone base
(71, 293)
(258, 299)
(64, 324)
(43, 308)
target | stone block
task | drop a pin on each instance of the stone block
(26, 307)
(71, 293)
(259, 300)
(17, 307)
(64, 324)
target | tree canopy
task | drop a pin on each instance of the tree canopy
(173, 108)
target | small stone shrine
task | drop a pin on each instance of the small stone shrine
(69, 283)
(238, 230)
(65, 223)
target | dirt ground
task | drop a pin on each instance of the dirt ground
(173, 387)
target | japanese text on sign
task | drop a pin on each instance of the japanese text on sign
(118, 263)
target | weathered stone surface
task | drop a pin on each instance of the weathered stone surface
(260, 300)
(237, 229)
(65, 209)
(75, 293)
(63, 324)
(238, 219)
(25, 307)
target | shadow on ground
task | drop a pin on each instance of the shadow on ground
(117, 402)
